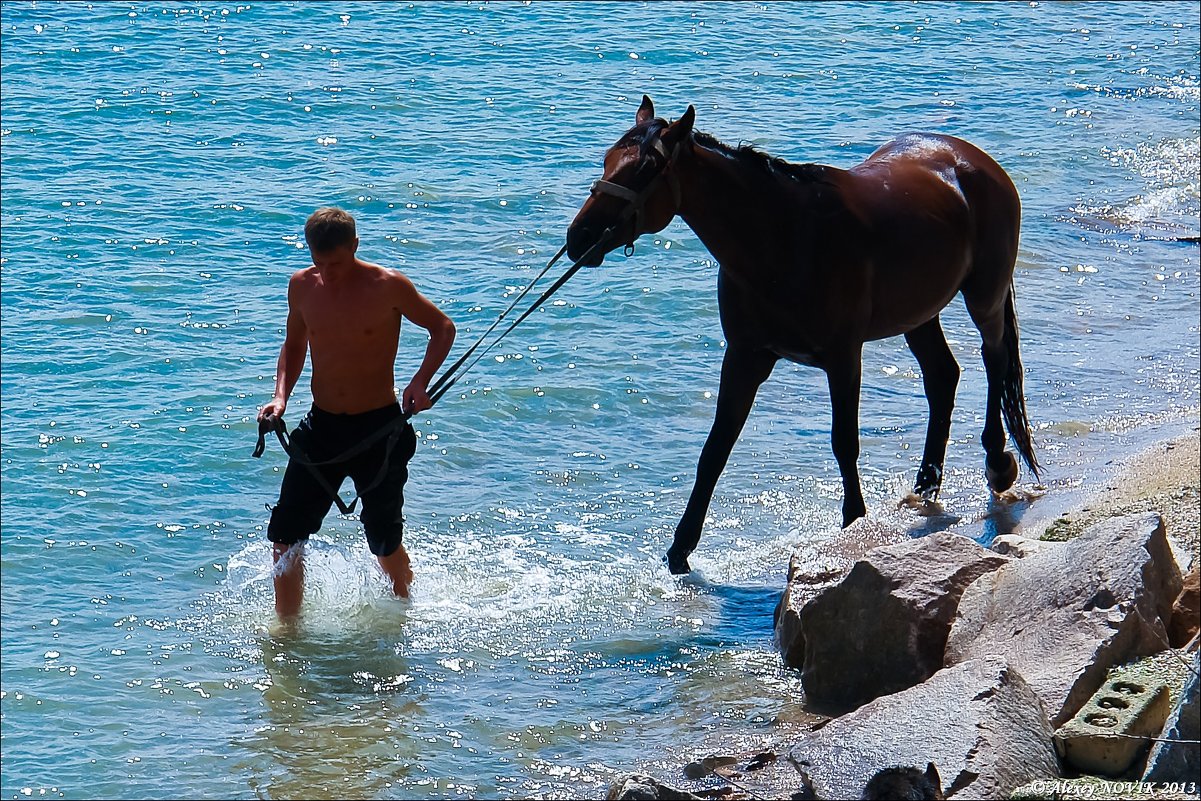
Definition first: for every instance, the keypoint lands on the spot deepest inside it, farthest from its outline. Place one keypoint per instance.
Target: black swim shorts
(322, 436)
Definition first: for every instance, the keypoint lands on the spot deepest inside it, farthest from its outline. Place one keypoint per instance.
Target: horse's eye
(644, 166)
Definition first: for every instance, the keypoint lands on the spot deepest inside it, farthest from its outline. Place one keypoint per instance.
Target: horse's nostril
(579, 239)
(582, 242)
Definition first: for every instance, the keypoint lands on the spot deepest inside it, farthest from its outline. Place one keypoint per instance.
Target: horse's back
(936, 214)
(935, 177)
(935, 148)
(994, 208)
(966, 168)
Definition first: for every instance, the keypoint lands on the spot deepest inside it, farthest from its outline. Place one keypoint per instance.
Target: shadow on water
(1003, 514)
(736, 692)
(929, 524)
(741, 614)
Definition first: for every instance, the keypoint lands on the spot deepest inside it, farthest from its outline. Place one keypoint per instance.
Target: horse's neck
(736, 209)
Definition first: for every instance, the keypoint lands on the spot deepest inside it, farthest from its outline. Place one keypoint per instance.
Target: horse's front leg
(743, 370)
(844, 374)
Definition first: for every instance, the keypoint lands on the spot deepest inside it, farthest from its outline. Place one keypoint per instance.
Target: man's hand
(275, 408)
(415, 399)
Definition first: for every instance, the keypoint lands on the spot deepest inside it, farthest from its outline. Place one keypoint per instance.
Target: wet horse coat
(815, 261)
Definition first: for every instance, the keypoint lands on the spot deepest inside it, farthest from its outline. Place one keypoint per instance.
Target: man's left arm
(417, 308)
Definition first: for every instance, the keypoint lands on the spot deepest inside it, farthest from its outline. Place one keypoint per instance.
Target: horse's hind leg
(940, 375)
(742, 372)
(988, 294)
(1000, 466)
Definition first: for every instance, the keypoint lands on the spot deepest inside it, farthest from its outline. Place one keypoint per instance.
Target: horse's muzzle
(583, 241)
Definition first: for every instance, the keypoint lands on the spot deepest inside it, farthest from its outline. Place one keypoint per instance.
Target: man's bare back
(347, 314)
(353, 325)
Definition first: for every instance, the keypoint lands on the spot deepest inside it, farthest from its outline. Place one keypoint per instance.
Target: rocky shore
(1059, 663)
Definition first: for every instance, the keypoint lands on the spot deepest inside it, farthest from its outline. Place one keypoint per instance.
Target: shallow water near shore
(158, 163)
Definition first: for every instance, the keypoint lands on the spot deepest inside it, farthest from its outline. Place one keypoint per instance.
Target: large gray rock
(636, 787)
(1064, 615)
(1017, 546)
(1177, 756)
(979, 723)
(818, 565)
(884, 627)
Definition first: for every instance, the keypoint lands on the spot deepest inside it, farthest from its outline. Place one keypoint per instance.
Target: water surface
(158, 164)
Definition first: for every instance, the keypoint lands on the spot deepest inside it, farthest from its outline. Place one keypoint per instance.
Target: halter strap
(625, 193)
(638, 199)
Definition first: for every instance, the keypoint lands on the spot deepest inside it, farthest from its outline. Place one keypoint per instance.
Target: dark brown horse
(815, 261)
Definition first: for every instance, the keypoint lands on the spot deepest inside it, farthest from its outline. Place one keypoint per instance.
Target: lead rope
(461, 366)
(442, 384)
(391, 431)
(448, 379)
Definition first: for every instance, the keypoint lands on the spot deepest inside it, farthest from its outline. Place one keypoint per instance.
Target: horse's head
(637, 193)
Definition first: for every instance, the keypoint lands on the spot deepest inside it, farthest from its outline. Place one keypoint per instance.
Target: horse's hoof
(677, 563)
(926, 492)
(852, 510)
(928, 483)
(1001, 480)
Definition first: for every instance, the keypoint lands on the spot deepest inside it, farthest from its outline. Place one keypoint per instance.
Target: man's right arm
(291, 354)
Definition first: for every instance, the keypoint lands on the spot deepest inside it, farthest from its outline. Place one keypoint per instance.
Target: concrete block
(1116, 725)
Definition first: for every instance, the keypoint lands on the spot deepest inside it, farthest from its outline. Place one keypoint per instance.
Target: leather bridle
(637, 199)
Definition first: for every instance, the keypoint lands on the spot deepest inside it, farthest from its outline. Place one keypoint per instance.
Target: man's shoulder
(304, 276)
(303, 280)
(389, 277)
(385, 273)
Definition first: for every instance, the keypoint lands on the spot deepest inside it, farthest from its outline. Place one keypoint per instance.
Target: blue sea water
(158, 163)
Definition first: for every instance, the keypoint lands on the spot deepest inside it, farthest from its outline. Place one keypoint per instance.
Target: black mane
(752, 155)
(647, 132)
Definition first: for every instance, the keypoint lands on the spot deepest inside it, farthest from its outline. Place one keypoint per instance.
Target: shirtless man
(347, 313)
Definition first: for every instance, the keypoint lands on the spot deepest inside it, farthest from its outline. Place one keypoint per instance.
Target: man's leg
(288, 574)
(303, 504)
(383, 508)
(396, 567)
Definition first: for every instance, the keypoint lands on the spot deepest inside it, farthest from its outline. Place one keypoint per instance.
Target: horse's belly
(902, 307)
(799, 356)
(910, 284)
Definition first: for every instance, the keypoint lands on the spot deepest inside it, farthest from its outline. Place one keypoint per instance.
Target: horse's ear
(646, 111)
(678, 131)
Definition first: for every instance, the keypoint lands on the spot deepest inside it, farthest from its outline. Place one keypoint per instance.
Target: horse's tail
(1013, 399)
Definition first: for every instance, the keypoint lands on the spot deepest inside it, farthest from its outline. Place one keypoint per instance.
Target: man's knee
(383, 521)
(287, 559)
(383, 543)
(291, 523)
